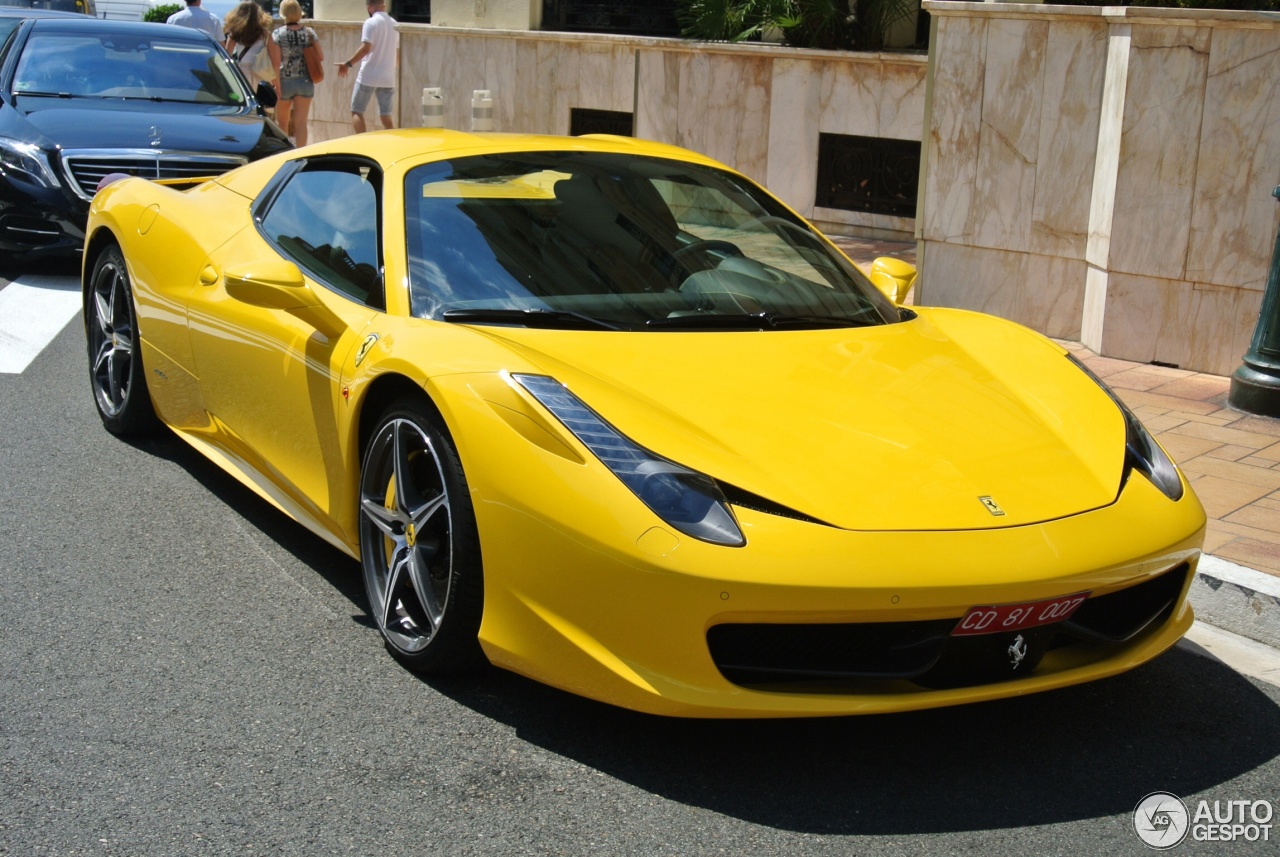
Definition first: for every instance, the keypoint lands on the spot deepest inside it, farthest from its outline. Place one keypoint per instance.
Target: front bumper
(40, 222)
(587, 591)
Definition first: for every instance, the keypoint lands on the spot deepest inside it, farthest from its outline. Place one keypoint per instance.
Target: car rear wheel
(418, 543)
(115, 359)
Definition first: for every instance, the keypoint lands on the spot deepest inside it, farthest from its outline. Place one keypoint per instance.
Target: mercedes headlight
(1142, 453)
(690, 502)
(26, 161)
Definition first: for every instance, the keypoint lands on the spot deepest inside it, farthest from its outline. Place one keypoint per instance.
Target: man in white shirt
(378, 55)
(195, 18)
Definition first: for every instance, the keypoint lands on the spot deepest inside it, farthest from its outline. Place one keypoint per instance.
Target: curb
(1237, 599)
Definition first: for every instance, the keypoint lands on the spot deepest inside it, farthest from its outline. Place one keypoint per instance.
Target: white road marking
(33, 310)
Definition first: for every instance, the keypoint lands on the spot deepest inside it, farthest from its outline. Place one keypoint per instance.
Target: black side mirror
(266, 94)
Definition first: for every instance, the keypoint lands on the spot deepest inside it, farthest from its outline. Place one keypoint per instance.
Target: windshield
(569, 238)
(113, 65)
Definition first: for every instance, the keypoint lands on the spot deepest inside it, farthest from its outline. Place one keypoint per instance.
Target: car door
(283, 305)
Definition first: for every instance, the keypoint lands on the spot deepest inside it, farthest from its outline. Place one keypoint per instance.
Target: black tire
(419, 547)
(115, 355)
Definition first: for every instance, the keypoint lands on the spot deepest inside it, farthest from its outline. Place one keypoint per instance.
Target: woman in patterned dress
(294, 82)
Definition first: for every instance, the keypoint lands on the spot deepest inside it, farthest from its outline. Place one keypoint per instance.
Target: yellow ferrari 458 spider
(605, 413)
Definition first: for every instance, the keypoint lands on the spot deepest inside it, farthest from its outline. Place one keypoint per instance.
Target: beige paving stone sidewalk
(1231, 458)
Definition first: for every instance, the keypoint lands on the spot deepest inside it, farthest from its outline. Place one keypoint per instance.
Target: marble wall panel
(657, 104)
(1009, 140)
(792, 171)
(330, 114)
(1075, 64)
(1197, 326)
(1160, 139)
(527, 113)
(960, 275)
(872, 98)
(1045, 293)
(501, 71)
(1051, 295)
(850, 99)
(955, 125)
(692, 97)
(735, 113)
(901, 101)
(1234, 217)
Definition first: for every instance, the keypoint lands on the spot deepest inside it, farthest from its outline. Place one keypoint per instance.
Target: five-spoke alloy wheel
(418, 542)
(115, 361)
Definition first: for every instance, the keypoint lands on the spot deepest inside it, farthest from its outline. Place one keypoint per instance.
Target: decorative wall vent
(584, 121)
(872, 174)
(411, 11)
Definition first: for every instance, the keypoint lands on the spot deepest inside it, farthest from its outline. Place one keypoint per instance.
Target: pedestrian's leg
(282, 114)
(302, 107)
(357, 122)
(385, 94)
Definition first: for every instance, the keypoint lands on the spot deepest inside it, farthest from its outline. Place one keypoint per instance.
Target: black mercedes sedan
(82, 98)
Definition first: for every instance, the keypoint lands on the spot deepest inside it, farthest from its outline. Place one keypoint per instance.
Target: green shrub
(160, 14)
(827, 24)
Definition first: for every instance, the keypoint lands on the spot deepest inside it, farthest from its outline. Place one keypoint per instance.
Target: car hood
(128, 125)
(902, 426)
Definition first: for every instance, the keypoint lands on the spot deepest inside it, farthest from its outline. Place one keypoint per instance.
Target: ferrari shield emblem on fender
(992, 506)
(364, 347)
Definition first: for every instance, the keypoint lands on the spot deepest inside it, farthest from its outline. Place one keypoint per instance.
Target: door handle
(208, 276)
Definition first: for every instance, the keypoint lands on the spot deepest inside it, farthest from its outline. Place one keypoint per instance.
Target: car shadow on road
(1183, 724)
(328, 563)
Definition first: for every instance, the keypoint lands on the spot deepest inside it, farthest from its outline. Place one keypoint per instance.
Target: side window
(327, 219)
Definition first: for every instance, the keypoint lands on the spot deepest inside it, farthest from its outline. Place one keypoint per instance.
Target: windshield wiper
(755, 321)
(155, 98)
(528, 318)
(46, 94)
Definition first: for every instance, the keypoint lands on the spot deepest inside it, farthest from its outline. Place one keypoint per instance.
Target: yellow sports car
(605, 413)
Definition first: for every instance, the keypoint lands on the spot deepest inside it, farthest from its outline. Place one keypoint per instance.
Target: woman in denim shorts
(294, 83)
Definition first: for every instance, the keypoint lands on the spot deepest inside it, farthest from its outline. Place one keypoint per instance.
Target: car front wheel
(418, 543)
(115, 359)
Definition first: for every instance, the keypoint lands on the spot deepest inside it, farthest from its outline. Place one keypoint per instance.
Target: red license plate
(998, 618)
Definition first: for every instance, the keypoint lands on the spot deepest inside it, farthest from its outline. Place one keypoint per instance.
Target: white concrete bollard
(432, 107)
(481, 110)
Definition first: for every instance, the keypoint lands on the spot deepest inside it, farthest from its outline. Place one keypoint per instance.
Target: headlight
(1142, 453)
(689, 501)
(26, 160)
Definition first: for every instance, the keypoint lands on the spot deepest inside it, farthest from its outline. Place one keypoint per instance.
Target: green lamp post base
(1255, 386)
(1255, 392)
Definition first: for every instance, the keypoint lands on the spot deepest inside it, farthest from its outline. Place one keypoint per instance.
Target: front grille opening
(1120, 616)
(86, 170)
(754, 654)
(853, 657)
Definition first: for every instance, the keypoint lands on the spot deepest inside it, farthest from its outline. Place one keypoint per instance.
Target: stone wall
(758, 108)
(1104, 174)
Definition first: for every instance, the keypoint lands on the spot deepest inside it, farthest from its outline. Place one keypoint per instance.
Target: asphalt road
(184, 671)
